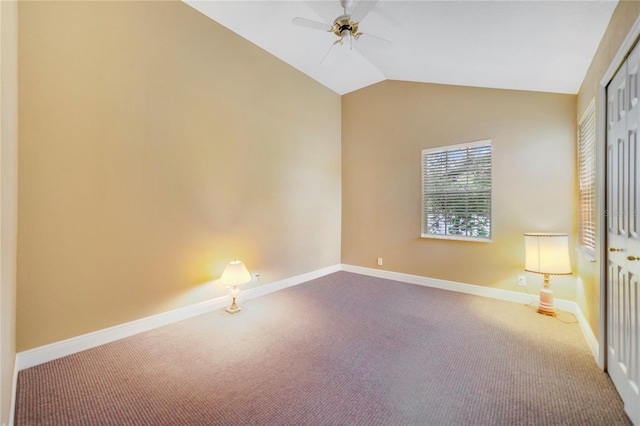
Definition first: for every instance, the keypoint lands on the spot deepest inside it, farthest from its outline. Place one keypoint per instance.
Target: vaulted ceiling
(524, 45)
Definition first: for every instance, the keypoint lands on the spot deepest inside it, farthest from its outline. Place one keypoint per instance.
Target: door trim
(601, 139)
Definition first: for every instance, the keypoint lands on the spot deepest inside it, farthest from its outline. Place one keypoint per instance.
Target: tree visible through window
(456, 191)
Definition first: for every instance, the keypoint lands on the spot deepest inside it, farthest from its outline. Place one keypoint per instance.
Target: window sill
(456, 238)
(586, 254)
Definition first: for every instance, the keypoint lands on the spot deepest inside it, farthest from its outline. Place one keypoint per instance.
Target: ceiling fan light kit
(345, 26)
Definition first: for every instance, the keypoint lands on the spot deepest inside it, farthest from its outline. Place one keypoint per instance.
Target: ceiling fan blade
(369, 36)
(329, 51)
(308, 23)
(362, 9)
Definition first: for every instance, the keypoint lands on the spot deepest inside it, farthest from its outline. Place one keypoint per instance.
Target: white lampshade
(547, 253)
(235, 274)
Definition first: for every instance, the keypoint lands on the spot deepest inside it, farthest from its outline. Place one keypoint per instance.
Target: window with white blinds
(456, 191)
(587, 180)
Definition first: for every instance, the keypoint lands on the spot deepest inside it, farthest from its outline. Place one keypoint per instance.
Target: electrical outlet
(522, 281)
(379, 261)
(256, 278)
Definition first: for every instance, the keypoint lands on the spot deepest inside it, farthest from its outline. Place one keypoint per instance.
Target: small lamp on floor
(547, 254)
(234, 274)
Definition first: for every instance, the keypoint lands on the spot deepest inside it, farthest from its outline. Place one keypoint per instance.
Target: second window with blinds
(456, 192)
(587, 183)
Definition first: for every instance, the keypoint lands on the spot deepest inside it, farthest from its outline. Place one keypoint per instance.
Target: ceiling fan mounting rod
(346, 4)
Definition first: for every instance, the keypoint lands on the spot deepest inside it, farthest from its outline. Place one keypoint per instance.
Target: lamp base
(233, 309)
(546, 302)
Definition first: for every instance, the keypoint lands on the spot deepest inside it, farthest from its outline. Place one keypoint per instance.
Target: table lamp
(235, 274)
(547, 254)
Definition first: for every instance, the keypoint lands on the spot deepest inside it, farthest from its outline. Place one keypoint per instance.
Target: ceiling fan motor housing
(343, 23)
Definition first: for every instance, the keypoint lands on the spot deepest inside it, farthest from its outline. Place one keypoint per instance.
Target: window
(587, 182)
(456, 192)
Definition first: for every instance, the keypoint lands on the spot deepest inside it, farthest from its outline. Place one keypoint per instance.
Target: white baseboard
(494, 293)
(591, 339)
(42, 354)
(288, 282)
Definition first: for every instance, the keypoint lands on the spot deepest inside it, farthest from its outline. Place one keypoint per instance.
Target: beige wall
(621, 21)
(155, 147)
(386, 126)
(8, 199)
(623, 18)
(134, 149)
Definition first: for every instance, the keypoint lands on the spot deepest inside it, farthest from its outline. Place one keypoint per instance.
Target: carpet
(344, 349)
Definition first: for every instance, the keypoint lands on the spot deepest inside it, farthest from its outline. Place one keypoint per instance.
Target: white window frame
(587, 181)
(428, 188)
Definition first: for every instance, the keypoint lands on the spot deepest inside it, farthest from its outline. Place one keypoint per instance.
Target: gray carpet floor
(344, 349)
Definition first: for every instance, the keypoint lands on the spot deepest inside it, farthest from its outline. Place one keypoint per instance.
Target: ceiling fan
(345, 26)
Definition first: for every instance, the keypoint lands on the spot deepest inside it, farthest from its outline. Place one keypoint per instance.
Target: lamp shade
(547, 253)
(234, 274)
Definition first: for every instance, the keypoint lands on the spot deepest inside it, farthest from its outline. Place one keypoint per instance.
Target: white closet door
(623, 234)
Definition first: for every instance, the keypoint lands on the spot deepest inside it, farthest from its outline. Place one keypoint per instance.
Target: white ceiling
(524, 45)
